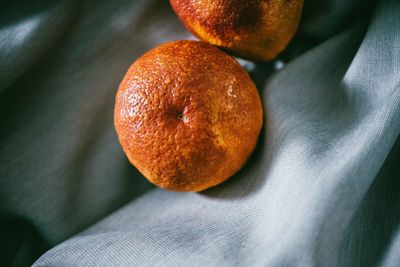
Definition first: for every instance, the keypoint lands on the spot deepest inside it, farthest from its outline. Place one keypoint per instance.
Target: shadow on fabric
(377, 219)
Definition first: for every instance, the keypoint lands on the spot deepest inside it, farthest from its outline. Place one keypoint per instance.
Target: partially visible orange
(253, 29)
(187, 116)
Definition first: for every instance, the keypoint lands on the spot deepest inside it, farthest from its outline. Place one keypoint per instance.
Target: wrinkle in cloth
(321, 188)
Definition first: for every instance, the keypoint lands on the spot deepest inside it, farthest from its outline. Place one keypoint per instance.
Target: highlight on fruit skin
(187, 115)
(253, 29)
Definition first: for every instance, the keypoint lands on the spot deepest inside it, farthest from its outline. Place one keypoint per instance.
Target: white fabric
(320, 189)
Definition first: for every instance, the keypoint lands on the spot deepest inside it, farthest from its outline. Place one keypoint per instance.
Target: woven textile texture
(321, 189)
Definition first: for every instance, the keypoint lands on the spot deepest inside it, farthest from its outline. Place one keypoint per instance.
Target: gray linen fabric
(321, 189)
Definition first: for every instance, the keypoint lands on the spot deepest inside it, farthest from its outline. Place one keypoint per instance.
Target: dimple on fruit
(252, 29)
(187, 116)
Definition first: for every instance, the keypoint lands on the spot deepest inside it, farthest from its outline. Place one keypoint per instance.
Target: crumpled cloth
(321, 189)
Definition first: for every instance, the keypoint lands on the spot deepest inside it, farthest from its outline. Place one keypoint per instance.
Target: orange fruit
(253, 29)
(187, 115)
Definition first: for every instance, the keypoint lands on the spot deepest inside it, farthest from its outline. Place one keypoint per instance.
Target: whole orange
(253, 29)
(187, 115)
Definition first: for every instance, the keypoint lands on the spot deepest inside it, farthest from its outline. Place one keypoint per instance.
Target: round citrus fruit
(254, 29)
(187, 115)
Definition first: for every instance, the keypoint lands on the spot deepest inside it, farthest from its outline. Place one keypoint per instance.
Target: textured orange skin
(253, 29)
(187, 116)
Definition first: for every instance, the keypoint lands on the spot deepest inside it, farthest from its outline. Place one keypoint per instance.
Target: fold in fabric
(327, 151)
